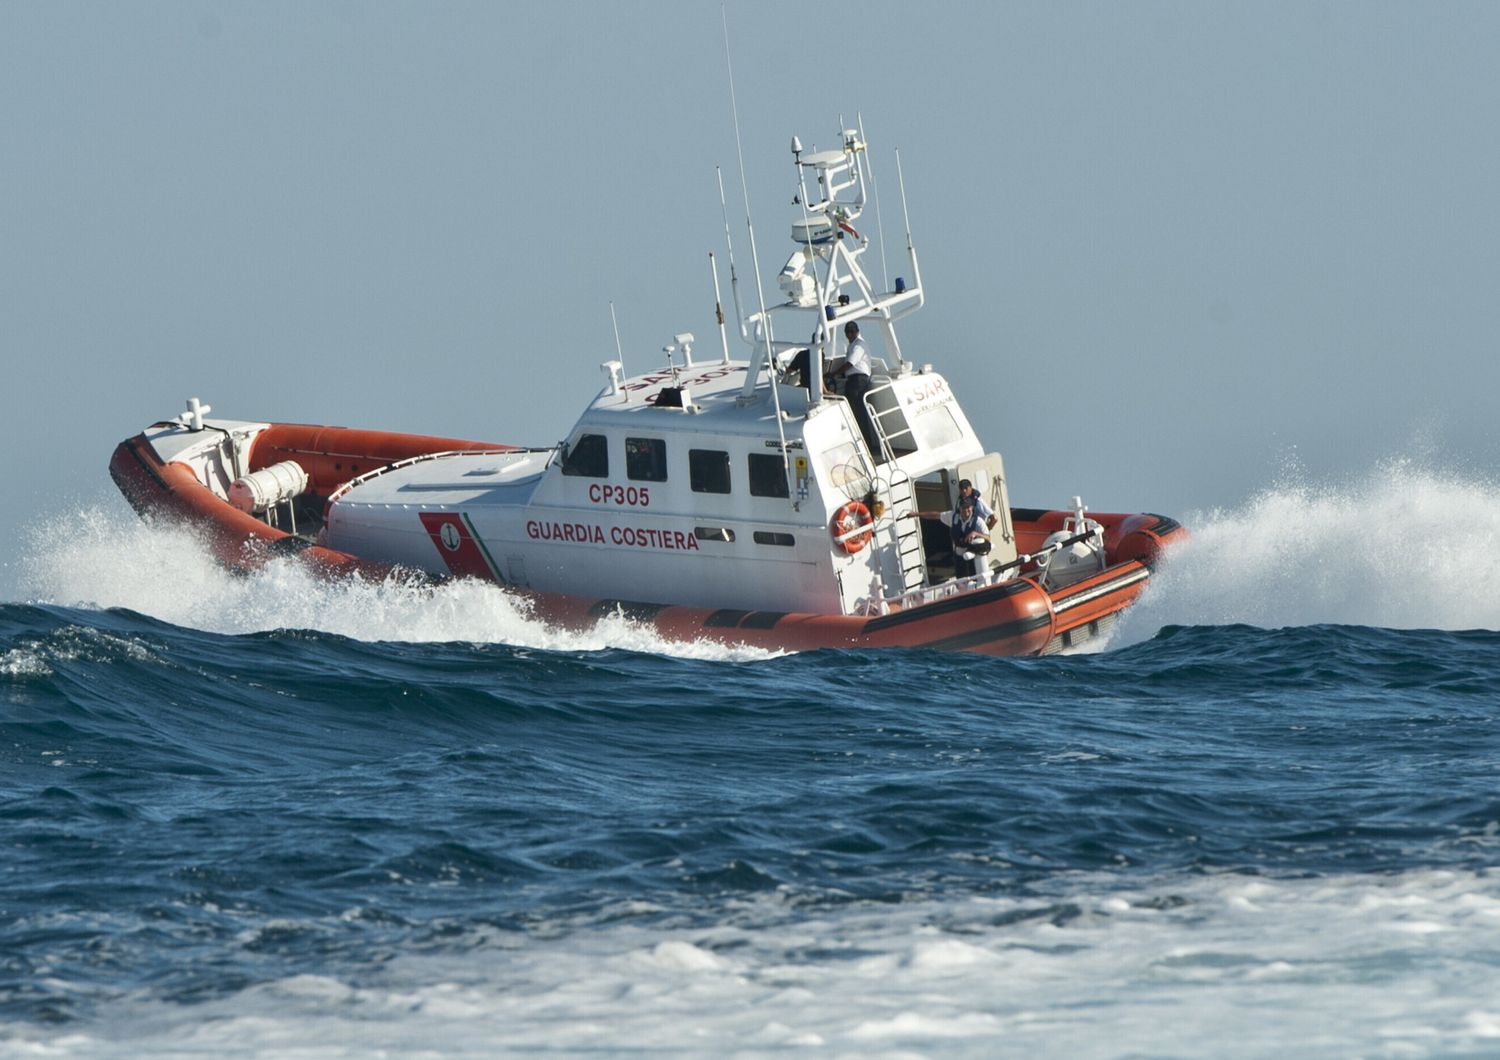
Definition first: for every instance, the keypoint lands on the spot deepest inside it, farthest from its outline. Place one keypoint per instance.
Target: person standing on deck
(967, 531)
(855, 371)
(969, 537)
(966, 489)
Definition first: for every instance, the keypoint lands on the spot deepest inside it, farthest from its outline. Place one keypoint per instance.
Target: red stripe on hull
(460, 551)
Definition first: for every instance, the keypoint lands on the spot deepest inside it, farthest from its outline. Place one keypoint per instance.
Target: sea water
(267, 816)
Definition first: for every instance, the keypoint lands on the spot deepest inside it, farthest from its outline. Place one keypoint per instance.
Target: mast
(824, 279)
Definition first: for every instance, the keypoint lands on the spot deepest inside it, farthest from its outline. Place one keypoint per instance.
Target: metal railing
(1003, 572)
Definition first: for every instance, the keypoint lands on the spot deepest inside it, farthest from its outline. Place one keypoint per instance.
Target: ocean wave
(1090, 967)
(1405, 546)
(219, 842)
(102, 560)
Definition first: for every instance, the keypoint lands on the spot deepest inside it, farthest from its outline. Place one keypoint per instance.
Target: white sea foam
(1403, 547)
(96, 559)
(24, 662)
(1228, 966)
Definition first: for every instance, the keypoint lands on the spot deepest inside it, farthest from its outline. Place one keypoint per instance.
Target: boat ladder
(900, 498)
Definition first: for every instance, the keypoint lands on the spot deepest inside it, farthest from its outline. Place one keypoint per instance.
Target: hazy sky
(1170, 249)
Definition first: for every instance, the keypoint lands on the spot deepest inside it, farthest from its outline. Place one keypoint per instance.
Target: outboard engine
(1080, 557)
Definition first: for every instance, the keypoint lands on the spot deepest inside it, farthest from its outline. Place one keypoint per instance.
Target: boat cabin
(732, 483)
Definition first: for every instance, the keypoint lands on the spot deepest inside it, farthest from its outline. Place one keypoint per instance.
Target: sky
(1174, 253)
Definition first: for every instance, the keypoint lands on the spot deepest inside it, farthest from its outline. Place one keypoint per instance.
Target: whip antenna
(885, 276)
(713, 267)
(619, 350)
(734, 280)
(911, 250)
(765, 319)
(739, 147)
(616, 369)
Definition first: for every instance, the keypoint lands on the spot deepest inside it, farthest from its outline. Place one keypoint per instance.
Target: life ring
(851, 527)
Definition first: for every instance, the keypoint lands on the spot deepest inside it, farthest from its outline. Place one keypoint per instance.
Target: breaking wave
(101, 560)
(1404, 547)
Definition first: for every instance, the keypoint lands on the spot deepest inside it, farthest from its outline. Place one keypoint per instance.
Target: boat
(752, 500)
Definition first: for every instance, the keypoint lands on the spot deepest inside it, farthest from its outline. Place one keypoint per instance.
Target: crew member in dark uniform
(970, 537)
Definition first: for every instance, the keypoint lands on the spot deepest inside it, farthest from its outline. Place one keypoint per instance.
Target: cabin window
(708, 470)
(589, 457)
(937, 427)
(713, 533)
(646, 459)
(771, 537)
(844, 470)
(767, 476)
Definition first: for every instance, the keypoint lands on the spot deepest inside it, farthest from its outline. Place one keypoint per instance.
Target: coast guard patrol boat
(722, 498)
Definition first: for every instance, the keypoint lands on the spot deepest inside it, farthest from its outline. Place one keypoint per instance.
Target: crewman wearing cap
(966, 489)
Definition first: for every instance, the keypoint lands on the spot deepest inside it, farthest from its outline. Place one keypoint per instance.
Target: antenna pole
(734, 281)
(739, 147)
(885, 276)
(713, 267)
(765, 319)
(911, 250)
